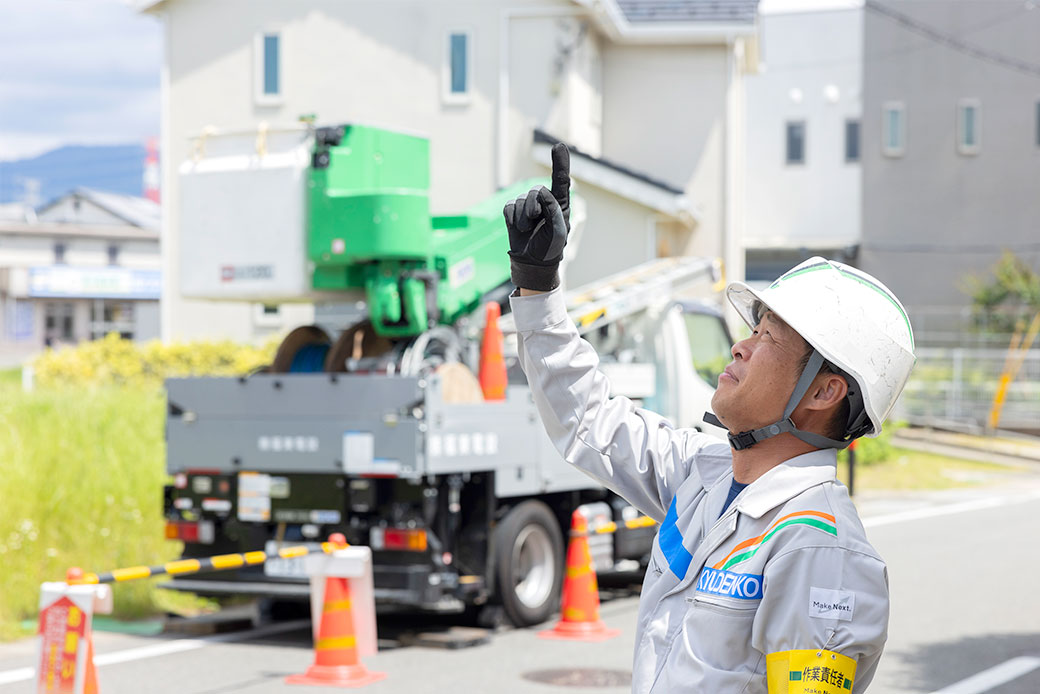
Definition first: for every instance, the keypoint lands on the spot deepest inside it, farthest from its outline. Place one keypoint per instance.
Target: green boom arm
(370, 228)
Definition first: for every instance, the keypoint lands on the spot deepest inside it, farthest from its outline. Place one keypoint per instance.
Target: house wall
(933, 216)
(664, 111)
(616, 236)
(812, 72)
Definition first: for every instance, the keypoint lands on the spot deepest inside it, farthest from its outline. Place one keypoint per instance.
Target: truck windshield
(709, 345)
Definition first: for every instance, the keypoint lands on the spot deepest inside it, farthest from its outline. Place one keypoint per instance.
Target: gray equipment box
(360, 425)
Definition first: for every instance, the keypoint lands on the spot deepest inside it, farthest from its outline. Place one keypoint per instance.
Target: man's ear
(827, 391)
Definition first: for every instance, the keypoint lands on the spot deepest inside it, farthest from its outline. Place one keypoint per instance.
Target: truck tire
(529, 563)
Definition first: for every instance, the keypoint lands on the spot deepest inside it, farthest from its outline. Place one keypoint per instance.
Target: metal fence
(955, 386)
(944, 326)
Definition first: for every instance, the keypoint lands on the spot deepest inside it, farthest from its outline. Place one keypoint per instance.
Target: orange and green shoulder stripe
(746, 549)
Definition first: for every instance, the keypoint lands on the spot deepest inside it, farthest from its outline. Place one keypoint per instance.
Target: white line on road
(168, 647)
(19, 675)
(988, 680)
(948, 509)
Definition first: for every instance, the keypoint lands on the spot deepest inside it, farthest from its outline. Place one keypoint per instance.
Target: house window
(113, 254)
(267, 315)
(796, 142)
(59, 254)
(851, 141)
(58, 323)
(968, 126)
(458, 67)
(893, 129)
(268, 72)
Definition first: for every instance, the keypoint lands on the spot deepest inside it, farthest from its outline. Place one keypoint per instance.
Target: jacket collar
(787, 480)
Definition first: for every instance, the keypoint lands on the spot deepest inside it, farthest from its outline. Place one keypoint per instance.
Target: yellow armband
(809, 672)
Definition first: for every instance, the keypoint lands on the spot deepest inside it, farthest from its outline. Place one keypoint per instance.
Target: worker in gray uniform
(761, 578)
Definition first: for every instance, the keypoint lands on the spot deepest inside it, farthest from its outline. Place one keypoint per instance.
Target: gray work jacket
(786, 568)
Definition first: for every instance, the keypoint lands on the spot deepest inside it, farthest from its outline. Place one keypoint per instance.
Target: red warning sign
(62, 627)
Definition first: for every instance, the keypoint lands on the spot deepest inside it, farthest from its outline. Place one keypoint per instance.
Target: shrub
(870, 451)
(113, 361)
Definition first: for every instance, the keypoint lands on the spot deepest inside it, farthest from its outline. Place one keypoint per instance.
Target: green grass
(81, 485)
(11, 377)
(907, 470)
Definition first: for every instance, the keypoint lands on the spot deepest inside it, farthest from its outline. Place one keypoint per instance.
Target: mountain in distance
(111, 168)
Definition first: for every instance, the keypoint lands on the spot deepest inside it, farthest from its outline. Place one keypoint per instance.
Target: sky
(76, 72)
(87, 72)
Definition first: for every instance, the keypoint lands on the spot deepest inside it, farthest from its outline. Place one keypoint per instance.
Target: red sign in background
(62, 627)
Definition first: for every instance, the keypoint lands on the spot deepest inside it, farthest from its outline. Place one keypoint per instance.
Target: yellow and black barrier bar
(221, 562)
(612, 527)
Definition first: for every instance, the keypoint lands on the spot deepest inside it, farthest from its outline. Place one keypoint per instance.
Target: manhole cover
(581, 677)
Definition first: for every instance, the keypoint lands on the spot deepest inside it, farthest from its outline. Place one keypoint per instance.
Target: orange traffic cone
(74, 576)
(492, 363)
(336, 662)
(580, 620)
(90, 683)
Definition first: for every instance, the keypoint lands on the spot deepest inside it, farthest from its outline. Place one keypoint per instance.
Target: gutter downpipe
(508, 14)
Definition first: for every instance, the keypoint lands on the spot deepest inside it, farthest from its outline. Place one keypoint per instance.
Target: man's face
(754, 388)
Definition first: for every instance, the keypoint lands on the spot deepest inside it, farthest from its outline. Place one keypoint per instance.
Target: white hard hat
(851, 319)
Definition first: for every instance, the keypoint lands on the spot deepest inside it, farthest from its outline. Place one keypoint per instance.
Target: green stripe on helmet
(862, 280)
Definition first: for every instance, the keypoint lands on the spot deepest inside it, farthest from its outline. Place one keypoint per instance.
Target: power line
(887, 55)
(952, 42)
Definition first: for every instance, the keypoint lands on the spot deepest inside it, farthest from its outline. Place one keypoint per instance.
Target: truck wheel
(529, 563)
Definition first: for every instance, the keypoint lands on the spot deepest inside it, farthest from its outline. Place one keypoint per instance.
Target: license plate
(279, 567)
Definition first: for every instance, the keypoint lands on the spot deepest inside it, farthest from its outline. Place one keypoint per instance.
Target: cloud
(76, 72)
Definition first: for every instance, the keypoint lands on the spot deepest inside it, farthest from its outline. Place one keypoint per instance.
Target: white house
(650, 94)
(78, 268)
(803, 183)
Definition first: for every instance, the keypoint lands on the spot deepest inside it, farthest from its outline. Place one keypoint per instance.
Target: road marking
(988, 680)
(948, 509)
(19, 675)
(167, 648)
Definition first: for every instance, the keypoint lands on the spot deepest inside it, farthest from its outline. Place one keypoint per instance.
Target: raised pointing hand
(538, 224)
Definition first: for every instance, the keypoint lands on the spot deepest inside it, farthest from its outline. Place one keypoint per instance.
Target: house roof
(135, 211)
(17, 212)
(681, 22)
(92, 231)
(544, 137)
(714, 11)
(621, 180)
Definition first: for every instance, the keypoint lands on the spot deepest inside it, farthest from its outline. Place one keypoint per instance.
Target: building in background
(78, 268)
(650, 93)
(803, 141)
(951, 147)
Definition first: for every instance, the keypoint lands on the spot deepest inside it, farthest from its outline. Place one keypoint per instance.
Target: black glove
(538, 224)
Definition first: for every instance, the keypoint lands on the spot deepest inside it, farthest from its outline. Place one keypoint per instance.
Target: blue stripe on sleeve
(671, 542)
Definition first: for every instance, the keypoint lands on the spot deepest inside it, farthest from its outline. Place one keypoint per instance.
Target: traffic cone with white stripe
(580, 620)
(336, 662)
(493, 377)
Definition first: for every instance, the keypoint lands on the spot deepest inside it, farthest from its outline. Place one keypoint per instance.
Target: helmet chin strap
(747, 439)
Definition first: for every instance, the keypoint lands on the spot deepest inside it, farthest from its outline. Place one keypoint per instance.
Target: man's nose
(741, 349)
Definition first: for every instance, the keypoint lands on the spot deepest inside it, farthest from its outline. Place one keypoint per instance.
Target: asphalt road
(964, 575)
